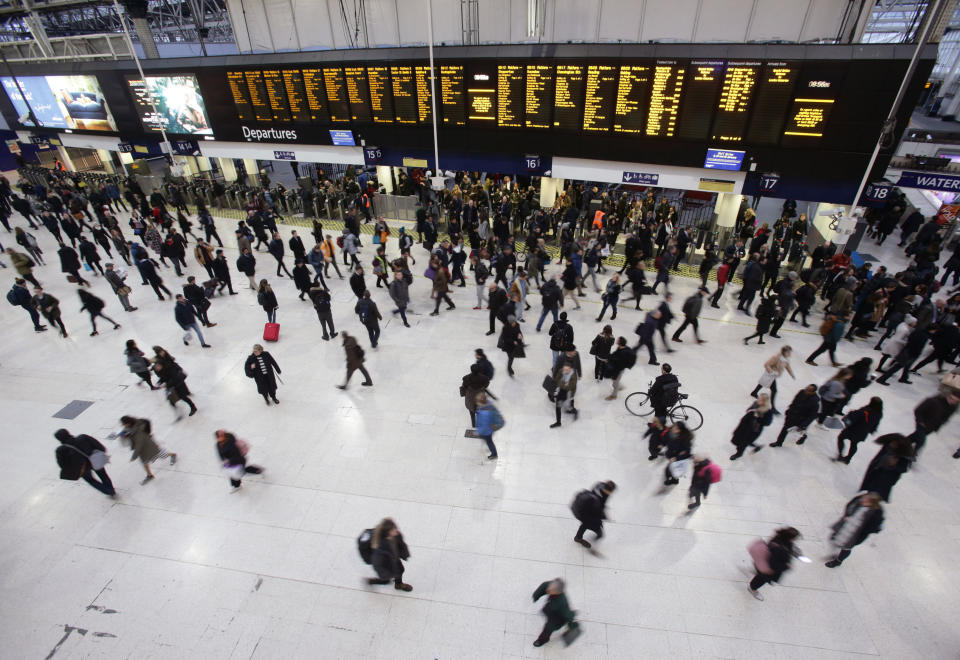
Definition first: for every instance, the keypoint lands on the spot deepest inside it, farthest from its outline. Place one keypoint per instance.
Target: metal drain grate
(73, 409)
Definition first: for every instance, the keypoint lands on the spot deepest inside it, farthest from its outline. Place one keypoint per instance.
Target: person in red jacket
(840, 261)
(722, 273)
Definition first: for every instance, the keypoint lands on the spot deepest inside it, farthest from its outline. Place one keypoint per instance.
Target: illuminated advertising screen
(73, 102)
(173, 103)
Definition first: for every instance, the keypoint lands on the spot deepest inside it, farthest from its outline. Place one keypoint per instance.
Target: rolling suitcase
(271, 332)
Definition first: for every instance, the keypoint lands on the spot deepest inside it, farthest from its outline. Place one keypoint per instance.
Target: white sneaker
(756, 594)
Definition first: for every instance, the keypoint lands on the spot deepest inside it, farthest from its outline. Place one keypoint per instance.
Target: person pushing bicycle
(664, 392)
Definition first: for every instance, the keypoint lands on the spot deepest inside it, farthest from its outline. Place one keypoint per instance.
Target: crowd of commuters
(500, 242)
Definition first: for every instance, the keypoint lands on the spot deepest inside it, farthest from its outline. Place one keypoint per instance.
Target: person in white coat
(898, 340)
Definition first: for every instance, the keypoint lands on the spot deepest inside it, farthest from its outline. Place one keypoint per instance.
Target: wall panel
(669, 20)
(723, 20)
(778, 20)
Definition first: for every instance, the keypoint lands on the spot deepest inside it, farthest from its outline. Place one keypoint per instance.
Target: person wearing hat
(691, 312)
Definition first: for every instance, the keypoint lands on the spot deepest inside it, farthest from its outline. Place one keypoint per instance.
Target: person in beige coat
(772, 370)
(136, 433)
(566, 390)
(441, 290)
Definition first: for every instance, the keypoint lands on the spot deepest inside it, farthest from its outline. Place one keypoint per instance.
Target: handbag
(124, 291)
(679, 468)
(766, 379)
(569, 636)
(98, 459)
(548, 383)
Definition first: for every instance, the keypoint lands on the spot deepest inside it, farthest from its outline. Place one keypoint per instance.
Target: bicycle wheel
(638, 404)
(688, 415)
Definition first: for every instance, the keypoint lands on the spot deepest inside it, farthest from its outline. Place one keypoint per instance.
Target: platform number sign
(372, 155)
(768, 183)
(877, 192)
(531, 163)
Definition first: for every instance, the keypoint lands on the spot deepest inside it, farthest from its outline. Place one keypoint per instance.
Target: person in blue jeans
(187, 320)
(611, 297)
(489, 420)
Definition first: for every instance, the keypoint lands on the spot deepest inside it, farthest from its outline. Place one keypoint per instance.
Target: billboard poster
(180, 107)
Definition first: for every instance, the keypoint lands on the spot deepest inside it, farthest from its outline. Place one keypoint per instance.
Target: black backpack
(582, 503)
(629, 359)
(365, 547)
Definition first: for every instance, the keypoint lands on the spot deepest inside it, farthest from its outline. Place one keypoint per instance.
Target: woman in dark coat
(766, 312)
(138, 364)
(751, 425)
(679, 447)
(261, 366)
(891, 461)
(857, 426)
(780, 553)
(173, 378)
(94, 307)
(268, 300)
(473, 384)
(861, 369)
(511, 342)
(302, 278)
(70, 264)
(600, 350)
(389, 551)
(233, 454)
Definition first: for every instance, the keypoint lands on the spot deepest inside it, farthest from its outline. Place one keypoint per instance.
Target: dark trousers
(599, 368)
(56, 321)
(373, 331)
(282, 265)
(825, 346)
(202, 315)
(607, 302)
(79, 278)
(934, 355)
(402, 311)
(759, 580)
(802, 311)
(93, 320)
(30, 278)
(326, 319)
(226, 283)
(104, 485)
(488, 439)
(827, 408)
(362, 370)
(158, 287)
(596, 529)
(649, 344)
(683, 326)
(211, 231)
(717, 294)
(247, 469)
(853, 445)
(319, 278)
(493, 320)
(550, 627)
(332, 262)
(33, 316)
(443, 296)
(773, 393)
(783, 433)
(896, 365)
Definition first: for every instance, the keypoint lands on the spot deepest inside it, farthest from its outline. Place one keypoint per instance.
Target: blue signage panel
(724, 159)
(284, 155)
(342, 138)
(531, 163)
(929, 181)
(642, 178)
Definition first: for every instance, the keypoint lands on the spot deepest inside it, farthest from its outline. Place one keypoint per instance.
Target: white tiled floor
(182, 568)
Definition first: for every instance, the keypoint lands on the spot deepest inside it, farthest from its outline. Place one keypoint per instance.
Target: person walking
(832, 331)
(233, 456)
(355, 360)
(400, 294)
(94, 306)
(23, 265)
(931, 414)
(195, 295)
(859, 424)
(263, 369)
(275, 248)
(184, 314)
(221, 271)
(321, 303)
(678, 452)
(172, 376)
(49, 307)
(370, 317)
(357, 283)
(611, 296)
(148, 271)
(480, 274)
(511, 342)
(496, 300)
(600, 349)
(330, 254)
(705, 474)
(471, 385)
(557, 610)
(571, 283)
(267, 299)
(692, 307)
(137, 435)
(19, 296)
(138, 363)
(88, 251)
(862, 516)
(118, 283)
(203, 253)
(441, 290)
(723, 275)
(70, 264)
(620, 360)
(832, 394)
(758, 416)
(890, 463)
(30, 244)
(301, 277)
(772, 370)
(79, 457)
(318, 261)
(771, 559)
(389, 553)
(908, 355)
(800, 414)
(589, 508)
(247, 264)
(565, 389)
(489, 420)
(766, 311)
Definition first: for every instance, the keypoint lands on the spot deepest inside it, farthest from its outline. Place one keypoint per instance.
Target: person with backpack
(691, 313)
(589, 507)
(137, 434)
(384, 548)
(558, 612)
(705, 474)
(320, 297)
(561, 337)
(19, 296)
(355, 359)
(80, 456)
(771, 559)
(620, 360)
(551, 297)
(751, 425)
(664, 392)
(488, 418)
(611, 296)
(862, 516)
(800, 414)
(832, 331)
(600, 349)
(859, 424)
(246, 264)
(370, 317)
(233, 455)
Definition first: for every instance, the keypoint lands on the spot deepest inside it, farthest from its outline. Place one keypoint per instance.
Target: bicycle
(638, 403)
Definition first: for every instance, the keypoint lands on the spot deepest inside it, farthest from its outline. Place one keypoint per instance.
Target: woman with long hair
(771, 559)
(268, 300)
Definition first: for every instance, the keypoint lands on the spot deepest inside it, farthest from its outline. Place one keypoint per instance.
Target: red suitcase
(271, 332)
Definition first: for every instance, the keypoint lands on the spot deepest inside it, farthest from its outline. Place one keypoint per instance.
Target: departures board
(725, 102)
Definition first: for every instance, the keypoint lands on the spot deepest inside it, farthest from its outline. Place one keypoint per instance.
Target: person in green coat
(136, 433)
(557, 610)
